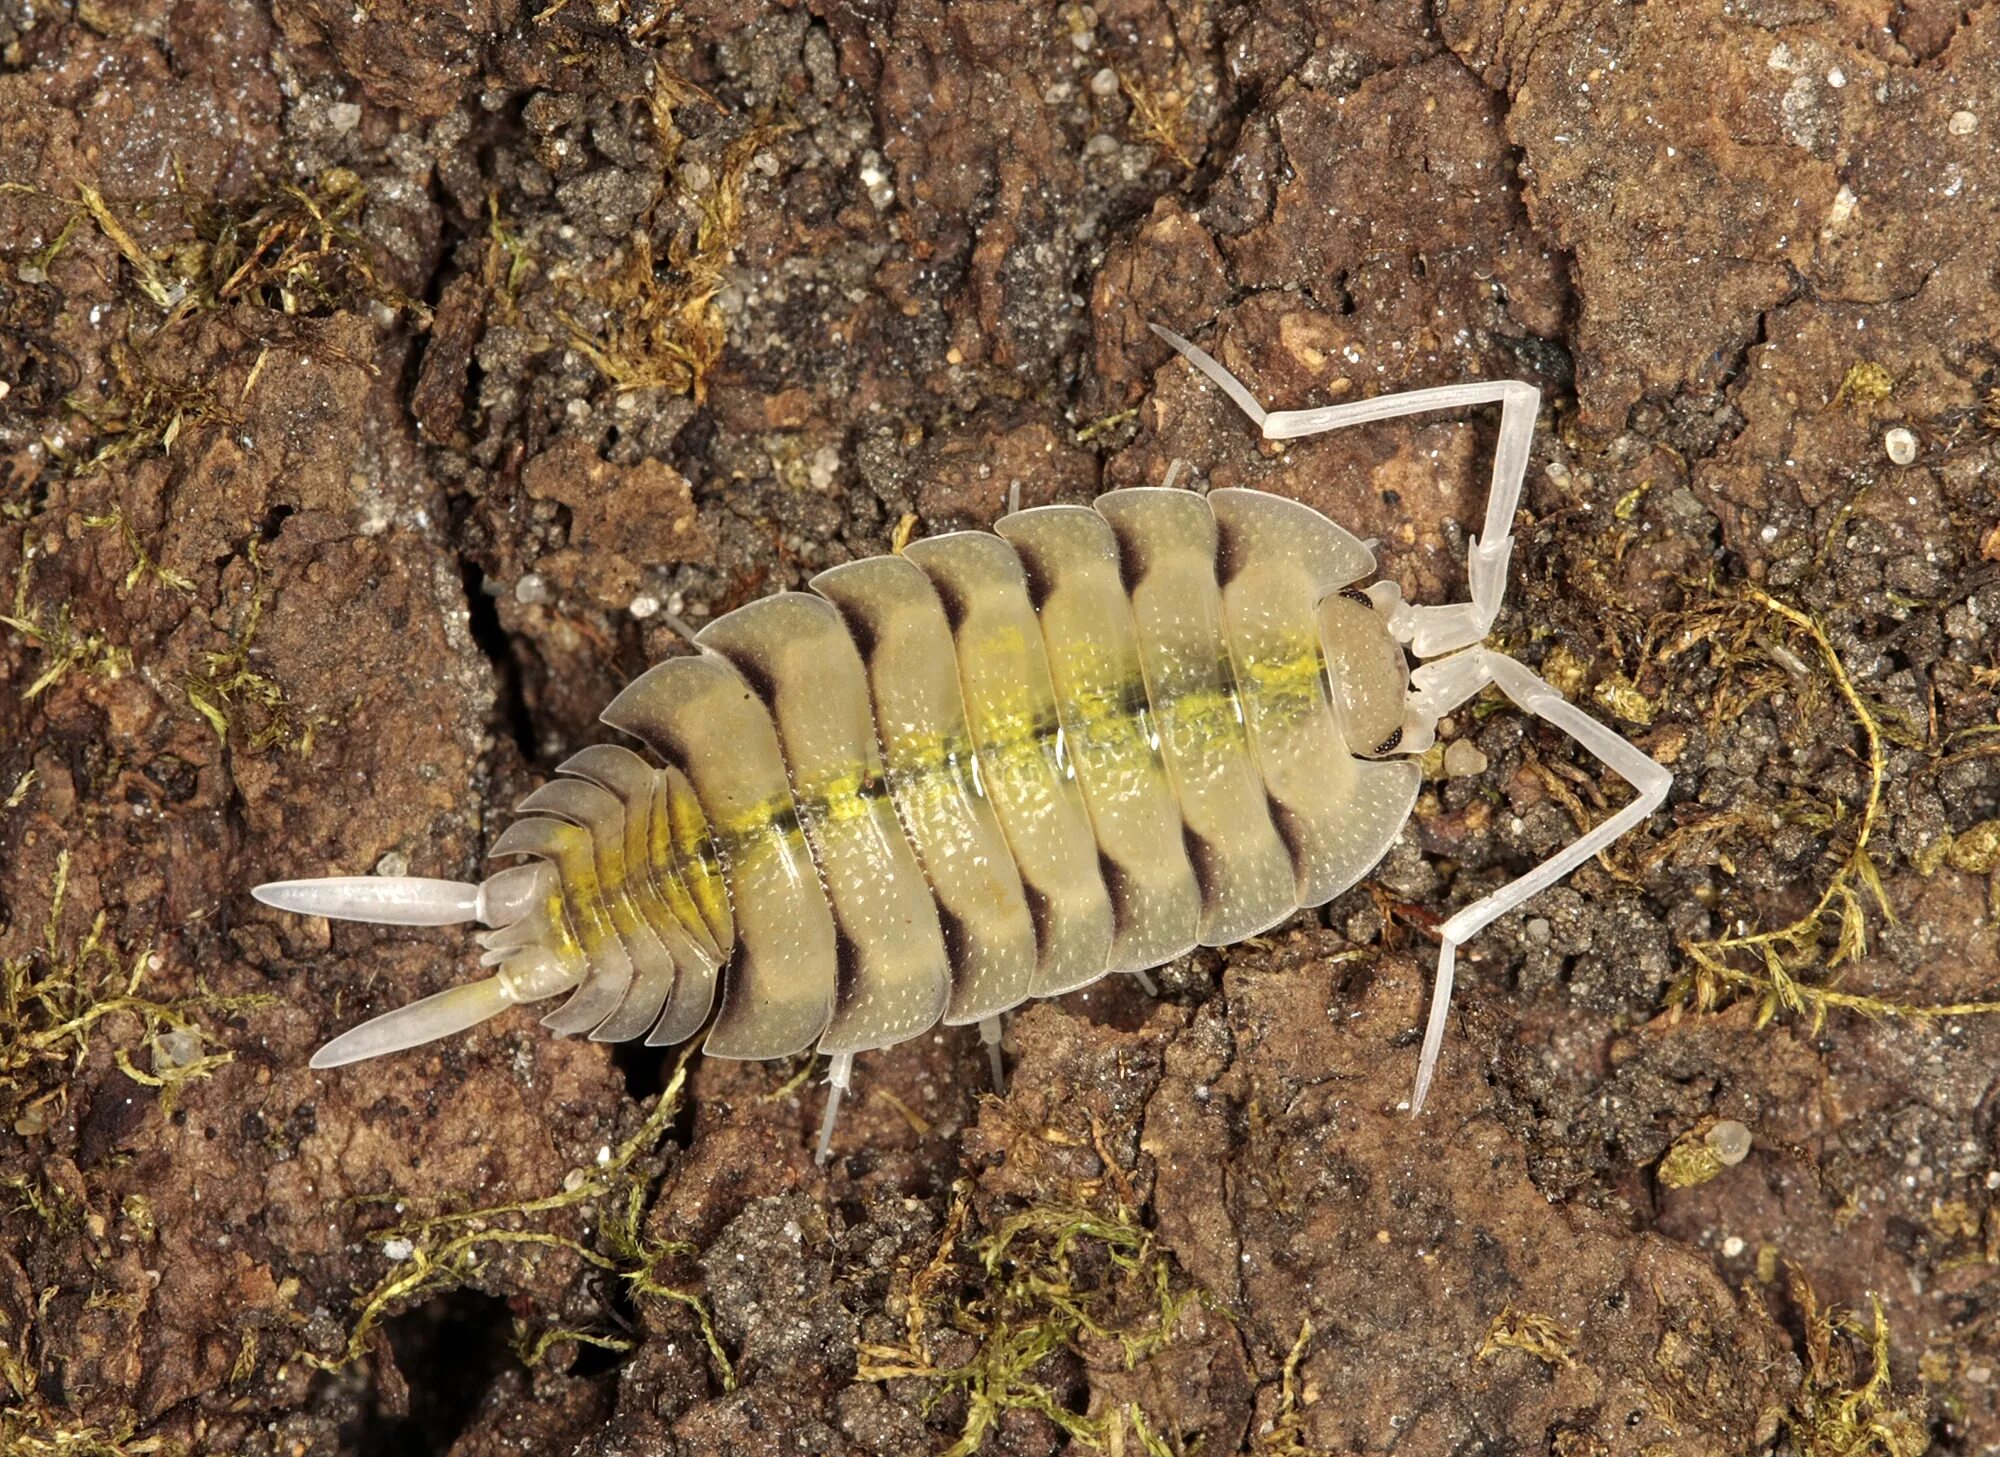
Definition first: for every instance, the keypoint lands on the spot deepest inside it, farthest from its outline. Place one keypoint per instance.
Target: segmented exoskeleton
(994, 767)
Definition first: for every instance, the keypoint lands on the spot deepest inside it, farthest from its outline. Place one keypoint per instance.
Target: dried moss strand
(1776, 981)
(434, 1265)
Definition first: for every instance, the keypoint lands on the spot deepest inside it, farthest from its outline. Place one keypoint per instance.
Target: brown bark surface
(384, 383)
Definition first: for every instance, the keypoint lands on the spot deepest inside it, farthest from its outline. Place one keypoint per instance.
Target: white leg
(1428, 630)
(839, 1077)
(1442, 686)
(989, 1033)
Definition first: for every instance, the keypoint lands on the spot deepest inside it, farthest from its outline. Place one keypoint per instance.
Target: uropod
(1000, 765)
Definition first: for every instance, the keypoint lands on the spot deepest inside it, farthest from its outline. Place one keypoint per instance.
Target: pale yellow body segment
(569, 848)
(680, 847)
(895, 975)
(1167, 540)
(900, 628)
(1108, 730)
(1010, 706)
(1338, 814)
(619, 879)
(699, 715)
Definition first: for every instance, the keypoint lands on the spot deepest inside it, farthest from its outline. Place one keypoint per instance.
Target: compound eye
(1389, 745)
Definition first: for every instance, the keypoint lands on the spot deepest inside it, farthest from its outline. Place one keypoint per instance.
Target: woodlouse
(998, 766)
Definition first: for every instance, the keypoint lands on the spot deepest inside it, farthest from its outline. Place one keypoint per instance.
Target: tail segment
(620, 901)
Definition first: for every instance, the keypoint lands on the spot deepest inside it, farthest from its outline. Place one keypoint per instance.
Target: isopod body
(996, 766)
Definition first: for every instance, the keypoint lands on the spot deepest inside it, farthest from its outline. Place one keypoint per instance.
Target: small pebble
(344, 116)
(1962, 124)
(176, 1049)
(1463, 760)
(1732, 1247)
(1104, 83)
(643, 606)
(1729, 1141)
(875, 176)
(1901, 445)
(393, 863)
(824, 468)
(531, 589)
(398, 1249)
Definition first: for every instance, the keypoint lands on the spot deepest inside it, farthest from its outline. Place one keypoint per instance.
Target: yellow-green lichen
(1703, 1152)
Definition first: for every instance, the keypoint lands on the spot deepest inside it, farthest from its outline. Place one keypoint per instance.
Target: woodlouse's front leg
(1450, 635)
(1442, 685)
(1429, 631)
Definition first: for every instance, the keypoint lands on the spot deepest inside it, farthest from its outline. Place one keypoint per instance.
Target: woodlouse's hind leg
(989, 1034)
(1443, 685)
(839, 1077)
(1429, 631)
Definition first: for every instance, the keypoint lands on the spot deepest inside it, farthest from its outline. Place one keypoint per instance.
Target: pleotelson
(993, 768)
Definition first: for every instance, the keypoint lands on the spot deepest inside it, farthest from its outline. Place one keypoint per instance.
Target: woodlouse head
(1368, 674)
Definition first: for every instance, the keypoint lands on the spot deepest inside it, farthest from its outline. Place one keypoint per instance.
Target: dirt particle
(1463, 760)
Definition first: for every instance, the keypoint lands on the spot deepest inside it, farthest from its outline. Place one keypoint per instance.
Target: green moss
(143, 565)
(446, 1251)
(227, 685)
(1286, 1435)
(1050, 1279)
(1540, 1336)
(145, 414)
(655, 324)
(64, 645)
(1773, 966)
(1838, 1411)
(56, 998)
(295, 251)
(35, 1430)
